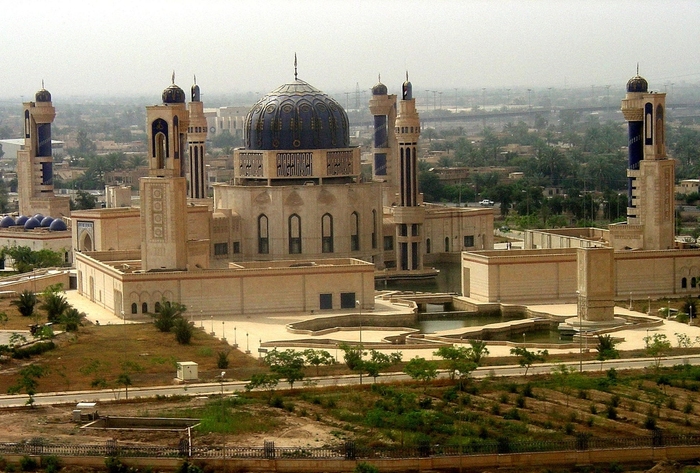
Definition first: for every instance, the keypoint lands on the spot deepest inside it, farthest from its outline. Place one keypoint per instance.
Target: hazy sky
(127, 47)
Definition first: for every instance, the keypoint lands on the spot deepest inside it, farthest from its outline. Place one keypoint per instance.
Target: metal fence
(349, 450)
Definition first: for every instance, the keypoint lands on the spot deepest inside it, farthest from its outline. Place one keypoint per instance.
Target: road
(232, 387)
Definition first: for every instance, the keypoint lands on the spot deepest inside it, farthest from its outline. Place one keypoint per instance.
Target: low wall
(35, 282)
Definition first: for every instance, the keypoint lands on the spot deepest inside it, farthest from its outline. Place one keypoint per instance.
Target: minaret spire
(195, 79)
(173, 77)
(637, 68)
(295, 66)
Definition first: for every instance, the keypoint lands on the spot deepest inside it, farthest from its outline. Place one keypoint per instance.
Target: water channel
(436, 319)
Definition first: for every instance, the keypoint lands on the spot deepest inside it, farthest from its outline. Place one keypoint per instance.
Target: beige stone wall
(551, 275)
(246, 290)
(116, 229)
(38, 240)
(310, 203)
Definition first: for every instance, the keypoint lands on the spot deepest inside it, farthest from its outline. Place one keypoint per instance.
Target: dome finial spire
(637, 68)
(295, 66)
(406, 75)
(173, 77)
(42, 84)
(379, 77)
(195, 79)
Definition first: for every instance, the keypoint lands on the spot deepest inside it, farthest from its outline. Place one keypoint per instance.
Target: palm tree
(167, 314)
(26, 302)
(55, 305)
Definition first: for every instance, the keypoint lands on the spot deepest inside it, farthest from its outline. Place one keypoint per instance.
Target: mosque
(297, 222)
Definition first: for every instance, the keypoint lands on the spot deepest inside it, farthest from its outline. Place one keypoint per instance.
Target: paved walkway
(249, 331)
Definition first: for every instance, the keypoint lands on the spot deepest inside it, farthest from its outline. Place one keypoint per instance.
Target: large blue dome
(297, 116)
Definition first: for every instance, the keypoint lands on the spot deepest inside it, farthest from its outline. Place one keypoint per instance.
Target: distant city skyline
(131, 48)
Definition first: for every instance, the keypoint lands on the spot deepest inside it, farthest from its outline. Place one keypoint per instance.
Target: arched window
(327, 233)
(157, 307)
(427, 246)
(294, 234)
(447, 244)
(684, 283)
(693, 283)
(160, 151)
(144, 308)
(134, 308)
(263, 236)
(659, 129)
(374, 229)
(354, 232)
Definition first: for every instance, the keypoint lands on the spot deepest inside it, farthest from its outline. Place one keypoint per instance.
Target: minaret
(650, 173)
(35, 161)
(408, 215)
(164, 192)
(384, 168)
(196, 138)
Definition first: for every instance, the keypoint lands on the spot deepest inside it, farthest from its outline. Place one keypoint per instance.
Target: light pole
(359, 305)
(212, 325)
(580, 331)
(201, 319)
(235, 342)
(630, 300)
(223, 332)
(247, 346)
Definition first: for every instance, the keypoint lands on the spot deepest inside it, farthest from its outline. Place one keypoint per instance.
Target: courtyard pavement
(250, 331)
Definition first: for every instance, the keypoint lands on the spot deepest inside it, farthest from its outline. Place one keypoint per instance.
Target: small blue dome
(39, 217)
(173, 94)
(31, 224)
(7, 221)
(43, 96)
(379, 89)
(21, 220)
(58, 225)
(637, 84)
(46, 221)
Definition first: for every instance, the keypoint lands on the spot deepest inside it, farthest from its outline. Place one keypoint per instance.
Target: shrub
(512, 414)
(27, 463)
(527, 390)
(51, 464)
(688, 408)
(611, 413)
(615, 401)
(363, 467)
(495, 409)
(503, 398)
(569, 428)
(582, 394)
(671, 404)
(650, 423)
(520, 401)
(222, 359)
(593, 409)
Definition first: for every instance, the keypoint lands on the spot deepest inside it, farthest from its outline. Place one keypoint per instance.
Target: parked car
(486, 203)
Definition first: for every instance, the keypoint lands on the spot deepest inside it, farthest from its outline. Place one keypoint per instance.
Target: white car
(486, 203)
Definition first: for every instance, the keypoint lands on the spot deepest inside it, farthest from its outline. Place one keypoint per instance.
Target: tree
(457, 359)
(125, 379)
(183, 330)
(25, 260)
(421, 369)
(263, 381)
(526, 357)
(606, 348)
(318, 357)
(25, 303)
(28, 382)
(477, 350)
(657, 347)
(287, 364)
(166, 315)
(72, 319)
(83, 201)
(352, 355)
(55, 305)
(379, 361)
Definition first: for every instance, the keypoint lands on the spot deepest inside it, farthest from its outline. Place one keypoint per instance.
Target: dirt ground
(53, 424)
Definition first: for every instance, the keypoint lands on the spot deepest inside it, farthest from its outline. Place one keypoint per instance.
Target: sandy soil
(54, 424)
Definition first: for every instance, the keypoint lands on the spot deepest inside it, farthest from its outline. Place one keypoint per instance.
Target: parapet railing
(348, 450)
